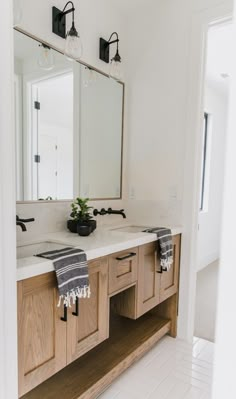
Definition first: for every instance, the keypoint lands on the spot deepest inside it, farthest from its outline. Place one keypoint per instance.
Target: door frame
(192, 164)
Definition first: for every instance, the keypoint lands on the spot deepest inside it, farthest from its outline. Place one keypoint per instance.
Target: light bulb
(73, 46)
(17, 12)
(115, 70)
(115, 67)
(90, 77)
(45, 59)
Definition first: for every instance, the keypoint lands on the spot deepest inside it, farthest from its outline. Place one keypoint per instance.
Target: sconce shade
(73, 46)
(45, 57)
(115, 68)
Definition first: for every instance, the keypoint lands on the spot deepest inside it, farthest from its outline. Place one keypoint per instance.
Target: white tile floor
(173, 369)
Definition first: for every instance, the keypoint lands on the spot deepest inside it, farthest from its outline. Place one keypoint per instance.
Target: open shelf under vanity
(88, 376)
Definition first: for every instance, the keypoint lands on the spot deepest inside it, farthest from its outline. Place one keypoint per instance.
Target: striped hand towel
(71, 269)
(165, 247)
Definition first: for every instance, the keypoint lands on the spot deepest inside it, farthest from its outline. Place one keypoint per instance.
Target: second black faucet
(109, 211)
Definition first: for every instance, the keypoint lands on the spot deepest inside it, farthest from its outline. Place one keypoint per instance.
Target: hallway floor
(173, 369)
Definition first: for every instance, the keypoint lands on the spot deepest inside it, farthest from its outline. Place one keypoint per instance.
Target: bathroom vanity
(77, 353)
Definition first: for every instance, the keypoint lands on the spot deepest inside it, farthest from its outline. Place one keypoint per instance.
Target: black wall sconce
(104, 55)
(73, 45)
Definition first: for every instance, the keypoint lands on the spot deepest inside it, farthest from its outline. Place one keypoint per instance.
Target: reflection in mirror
(101, 127)
(68, 126)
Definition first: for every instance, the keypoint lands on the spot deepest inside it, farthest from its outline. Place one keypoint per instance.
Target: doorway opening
(51, 112)
(214, 127)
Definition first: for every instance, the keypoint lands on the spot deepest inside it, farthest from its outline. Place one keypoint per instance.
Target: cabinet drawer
(122, 269)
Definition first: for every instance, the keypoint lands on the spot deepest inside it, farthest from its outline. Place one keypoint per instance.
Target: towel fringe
(72, 295)
(166, 263)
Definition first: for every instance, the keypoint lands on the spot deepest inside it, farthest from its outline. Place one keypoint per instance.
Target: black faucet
(21, 222)
(110, 211)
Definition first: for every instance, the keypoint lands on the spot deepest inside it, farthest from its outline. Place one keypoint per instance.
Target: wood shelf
(88, 376)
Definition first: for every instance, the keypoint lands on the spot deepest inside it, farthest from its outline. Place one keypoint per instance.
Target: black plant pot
(84, 230)
(72, 225)
(92, 223)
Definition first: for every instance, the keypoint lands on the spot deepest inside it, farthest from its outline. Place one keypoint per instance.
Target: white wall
(158, 90)
(216, 104)
(164, 70)
(8, 328)
(51, 217)
(224, 372)
(206, 302)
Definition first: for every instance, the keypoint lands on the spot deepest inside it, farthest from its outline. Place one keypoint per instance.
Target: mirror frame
(18, 29)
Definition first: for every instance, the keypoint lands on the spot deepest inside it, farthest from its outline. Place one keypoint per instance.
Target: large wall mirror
(68, 126)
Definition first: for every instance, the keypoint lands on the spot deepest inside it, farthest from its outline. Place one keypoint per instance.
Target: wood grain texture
(148, 293)
(122, 272)
(124, 303)
(168, 310)
(41, 333)
(46, 344)
(87, 377)
(170, 280)
(91, 326)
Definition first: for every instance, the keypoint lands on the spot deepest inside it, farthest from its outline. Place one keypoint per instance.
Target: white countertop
(103, 241)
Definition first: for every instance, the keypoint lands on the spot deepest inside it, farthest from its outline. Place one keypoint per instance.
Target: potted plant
(81, 221)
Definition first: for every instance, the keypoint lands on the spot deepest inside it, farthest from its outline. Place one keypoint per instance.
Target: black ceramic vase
(84, 229)
(72, 225)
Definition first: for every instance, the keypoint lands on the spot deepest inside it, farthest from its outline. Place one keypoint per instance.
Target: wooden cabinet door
(148, 293)
(90, 327)
(41, 332)
(122, 269)
(170, 280)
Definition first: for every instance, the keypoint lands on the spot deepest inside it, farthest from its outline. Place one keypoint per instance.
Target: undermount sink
(131, 229)
(25, 251)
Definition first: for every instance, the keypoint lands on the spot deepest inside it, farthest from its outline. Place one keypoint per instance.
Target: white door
(47, 167)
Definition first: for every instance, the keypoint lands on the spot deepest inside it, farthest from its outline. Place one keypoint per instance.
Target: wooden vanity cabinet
(126, 283)
(46, 344)
(90, 327)
(123, 269)
(170, 280)
(41, 333)
(153, 287)
(148, 289)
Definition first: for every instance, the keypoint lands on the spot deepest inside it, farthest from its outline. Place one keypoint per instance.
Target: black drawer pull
(131, 255)
(76, 313)
(64, 318)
